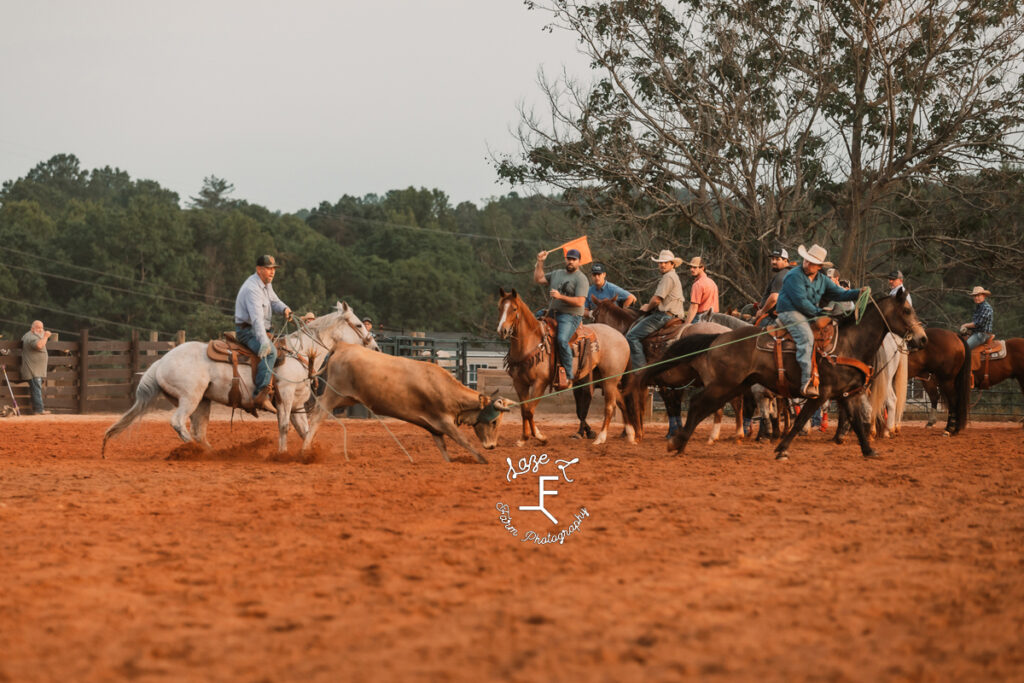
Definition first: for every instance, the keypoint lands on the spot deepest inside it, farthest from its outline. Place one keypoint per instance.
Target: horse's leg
(673, 400)
(802, 418)
(187, 404)
(284, 413)
(716, 429)
(703, 403)
(932, 391)
(583, 397)
(612, 398)
(859, 428)
(198, 422)
(737, 407)
(948, 388)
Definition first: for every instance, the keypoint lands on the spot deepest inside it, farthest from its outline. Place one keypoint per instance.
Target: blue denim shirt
(799, 293)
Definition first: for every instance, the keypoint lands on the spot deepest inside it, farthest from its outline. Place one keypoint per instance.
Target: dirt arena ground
(720, 565)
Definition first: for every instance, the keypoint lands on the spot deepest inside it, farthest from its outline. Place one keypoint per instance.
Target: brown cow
(412, 390)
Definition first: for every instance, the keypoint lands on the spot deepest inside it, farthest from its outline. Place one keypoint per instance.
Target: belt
(243, 325)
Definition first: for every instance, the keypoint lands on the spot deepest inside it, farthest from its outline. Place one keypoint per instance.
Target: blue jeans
(796, 323)
(567, 324)
(977, 339)
(640, 329)
(35, 388)
(266, 366)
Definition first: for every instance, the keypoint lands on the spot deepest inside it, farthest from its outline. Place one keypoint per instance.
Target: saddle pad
(993, 351)
(825, 339)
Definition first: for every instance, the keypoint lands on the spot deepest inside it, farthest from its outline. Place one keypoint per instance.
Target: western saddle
(778, 341)
(229, 350)
(583, 345)
(990, 349)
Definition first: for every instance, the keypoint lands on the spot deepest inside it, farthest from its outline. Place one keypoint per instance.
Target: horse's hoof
(871, 454)
(520, 443)
(590, 434)
(783, 455)
(577, 435)
(945, 432)
(600, 440)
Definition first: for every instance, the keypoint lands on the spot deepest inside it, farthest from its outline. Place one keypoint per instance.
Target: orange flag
(580, 243)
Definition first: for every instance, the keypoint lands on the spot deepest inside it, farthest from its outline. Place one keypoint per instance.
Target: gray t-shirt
(567, 284)
(33, 360)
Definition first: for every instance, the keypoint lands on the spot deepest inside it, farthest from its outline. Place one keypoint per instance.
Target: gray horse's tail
(145, 396)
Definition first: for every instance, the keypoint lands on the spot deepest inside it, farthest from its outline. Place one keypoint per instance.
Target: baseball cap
(779, 252)
(266, 261)
(896, 275)
(597, 268)
(573, 253)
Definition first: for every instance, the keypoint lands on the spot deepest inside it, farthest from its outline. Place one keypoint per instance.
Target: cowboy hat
(697, 262)
(816, 254)
(666, 256)
(980, 290)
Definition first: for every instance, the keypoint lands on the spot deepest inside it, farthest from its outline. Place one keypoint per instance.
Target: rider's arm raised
(538, 271)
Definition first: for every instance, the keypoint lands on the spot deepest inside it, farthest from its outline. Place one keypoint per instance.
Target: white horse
(889, 390)
(190, 380)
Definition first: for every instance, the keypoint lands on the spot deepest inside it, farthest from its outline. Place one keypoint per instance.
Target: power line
(111, 287)
(84, 317)
(107, 274)
(22, 323)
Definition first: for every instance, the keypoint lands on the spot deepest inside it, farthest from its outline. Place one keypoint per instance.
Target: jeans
(640, 329)
(567, 324)
(976, 340)
(266, 366)
(35, 387)
(796, 323)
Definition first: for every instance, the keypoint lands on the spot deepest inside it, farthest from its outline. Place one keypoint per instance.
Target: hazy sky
(294, 103)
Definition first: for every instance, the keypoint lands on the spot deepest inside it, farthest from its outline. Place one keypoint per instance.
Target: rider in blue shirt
(602, 289)
(802, 290)
(254, 305)
(980, 326)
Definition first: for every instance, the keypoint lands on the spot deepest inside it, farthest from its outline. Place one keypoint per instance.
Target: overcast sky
(294, 103)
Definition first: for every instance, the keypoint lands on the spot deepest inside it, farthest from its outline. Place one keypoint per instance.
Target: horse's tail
(900, 387)
(681, 351)
(962, 388)
(145, 396)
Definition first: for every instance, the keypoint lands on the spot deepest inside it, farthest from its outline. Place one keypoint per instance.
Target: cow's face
(487, 430)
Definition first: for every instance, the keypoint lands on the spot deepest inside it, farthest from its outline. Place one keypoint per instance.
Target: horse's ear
(513, 292)
(901, 295)
(343, 307)
(501, 291)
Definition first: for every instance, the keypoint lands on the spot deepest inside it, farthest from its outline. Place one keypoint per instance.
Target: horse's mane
(627, 315)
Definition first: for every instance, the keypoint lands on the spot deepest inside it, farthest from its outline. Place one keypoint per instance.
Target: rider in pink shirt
(703, 294)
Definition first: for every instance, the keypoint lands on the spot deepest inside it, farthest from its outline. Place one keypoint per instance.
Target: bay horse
(609, 312)
(942, 359)
(729, 363)
(1000, 369)
(188, 377)
(531, 361)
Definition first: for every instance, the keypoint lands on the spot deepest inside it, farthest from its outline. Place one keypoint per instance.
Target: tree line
(98, 249)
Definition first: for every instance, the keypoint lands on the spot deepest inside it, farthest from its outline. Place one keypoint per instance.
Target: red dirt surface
(721, 564)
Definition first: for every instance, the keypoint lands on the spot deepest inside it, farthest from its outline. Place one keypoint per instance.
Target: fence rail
(84, 376)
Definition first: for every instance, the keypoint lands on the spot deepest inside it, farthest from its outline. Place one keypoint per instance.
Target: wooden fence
(84, 376)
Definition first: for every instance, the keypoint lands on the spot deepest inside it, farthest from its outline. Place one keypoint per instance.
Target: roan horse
(187, 377)
(530, 363)
(734, 363)
(942, 358)
(608, 312)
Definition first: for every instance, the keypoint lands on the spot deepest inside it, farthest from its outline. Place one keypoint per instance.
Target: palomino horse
(999, 369)
(729, 363)
(531, 360)
(187, 377)
(942, 358)
(608, 312)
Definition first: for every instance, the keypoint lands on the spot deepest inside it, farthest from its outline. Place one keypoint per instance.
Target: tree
(729, 126)
(213, 194)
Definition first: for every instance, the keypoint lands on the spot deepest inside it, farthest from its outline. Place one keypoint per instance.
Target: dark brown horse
(1012, 365)
(610, 313)
(728, 364)
(530, 363)
(942, 358)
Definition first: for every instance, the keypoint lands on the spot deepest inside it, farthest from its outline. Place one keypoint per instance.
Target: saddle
(778, 341)
(229, 350)
(583, 345)
(991, 349)
(656, 342)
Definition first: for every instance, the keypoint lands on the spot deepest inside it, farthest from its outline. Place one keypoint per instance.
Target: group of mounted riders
(796, 297)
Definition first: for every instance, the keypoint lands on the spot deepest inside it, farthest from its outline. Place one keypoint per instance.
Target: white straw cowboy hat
(666, 256)
(697, 262)
(980, 290)
(816, 254)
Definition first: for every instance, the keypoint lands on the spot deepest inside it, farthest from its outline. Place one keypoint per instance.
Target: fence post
(179, 338)
(134, 364)
(83, 369)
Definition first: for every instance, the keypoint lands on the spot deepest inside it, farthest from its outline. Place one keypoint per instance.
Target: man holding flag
(568, 292)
